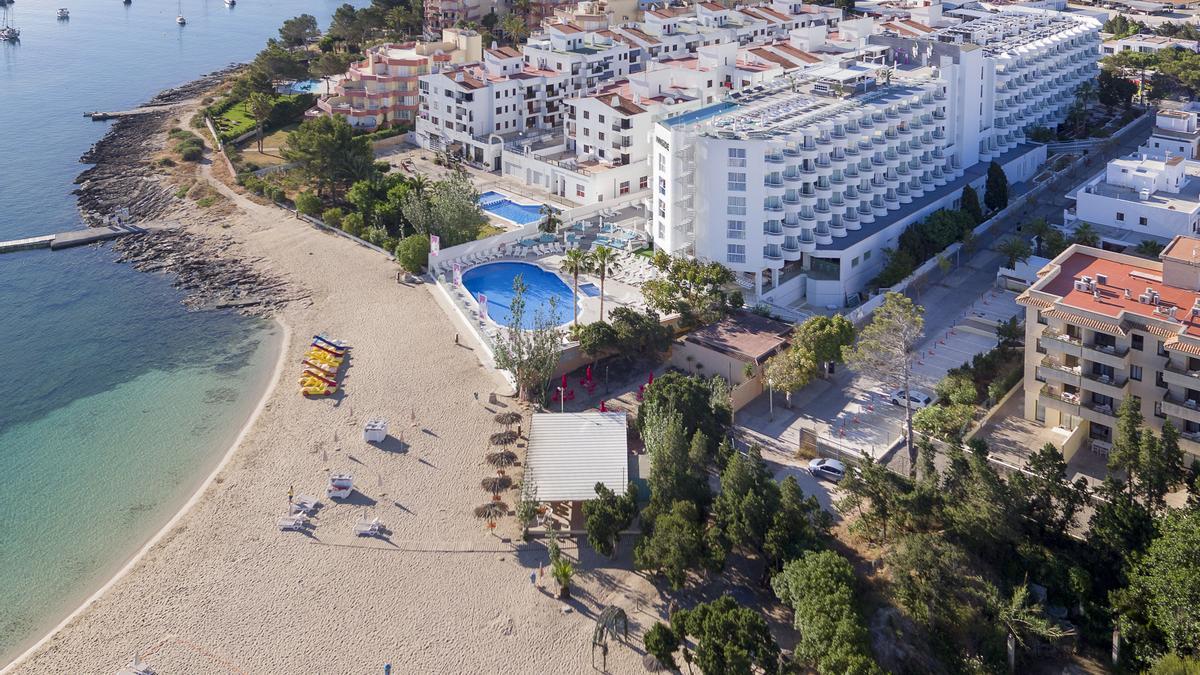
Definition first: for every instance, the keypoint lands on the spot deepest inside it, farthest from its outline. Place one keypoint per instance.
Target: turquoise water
(521, 214)
(117, 403)
(495, 280)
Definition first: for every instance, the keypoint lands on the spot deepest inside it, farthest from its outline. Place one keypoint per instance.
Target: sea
(115, 401)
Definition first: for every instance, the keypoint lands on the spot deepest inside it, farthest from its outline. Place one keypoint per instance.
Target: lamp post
(562, 399)
(771, 396)
(606, 378)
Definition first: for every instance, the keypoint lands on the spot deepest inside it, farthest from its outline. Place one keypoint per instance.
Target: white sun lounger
(368, 528)
(304, 504)
(293, 523)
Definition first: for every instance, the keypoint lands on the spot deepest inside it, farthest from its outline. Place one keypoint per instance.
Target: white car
(827, 468)
(916, 397)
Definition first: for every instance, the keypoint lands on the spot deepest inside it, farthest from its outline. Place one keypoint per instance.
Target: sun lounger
(304, 504)
(368, 528)
(293, 523)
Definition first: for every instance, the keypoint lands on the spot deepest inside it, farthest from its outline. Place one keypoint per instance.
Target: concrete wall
(731, 368)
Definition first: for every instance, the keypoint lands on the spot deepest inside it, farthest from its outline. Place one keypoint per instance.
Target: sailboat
(9, 32)
(230, 3)
(179, 19)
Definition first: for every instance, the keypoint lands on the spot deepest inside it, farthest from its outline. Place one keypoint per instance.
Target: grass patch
(489, 231)
(183, 191)
(205, 202)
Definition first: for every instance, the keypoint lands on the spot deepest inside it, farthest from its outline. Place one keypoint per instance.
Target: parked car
(918, 398)
(830, 469)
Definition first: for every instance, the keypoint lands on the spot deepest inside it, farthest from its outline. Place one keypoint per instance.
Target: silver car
(830, 469)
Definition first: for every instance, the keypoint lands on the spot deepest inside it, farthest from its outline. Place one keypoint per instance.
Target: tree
(995, 190)
(1159, 466)
(970, 204)
(1148, 248)
(327, 151)
(729, 638)
(1085, 235)
(562, 570)
(930, 577)
(820, 589)
(871, 492)
(639, 334)
(454, 204)
(413, 252)
(677, 545)
(530, 356)
(574, 263)
(662, 643)
(550, 219)
(279, 62)
(1120, 528)
(789, 370)
(514, 28)
(1044, 496)
(887, 349)
(1024, 620)
(251, 80)
(299, 31)
(527, 507)
(1115, 91)
(1038, 228)
(1161, 606)
(749, 497)
(1014, 250)
(798, 524)
(674, 473)
(824, 337)
(328, 65)
(596, 338)
(308, 204)
(1127, 443)
(691, 397)
(691, 288)
(260, 106)
(607, 516)
(603, 261)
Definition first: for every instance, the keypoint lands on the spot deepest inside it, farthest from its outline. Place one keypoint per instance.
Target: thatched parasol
(503, 438)
(508, 418)
(496, 484)
(502, 459)
(491, 510)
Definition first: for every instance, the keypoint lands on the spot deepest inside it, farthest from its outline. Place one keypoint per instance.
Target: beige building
(1102, 326)
(736, 348)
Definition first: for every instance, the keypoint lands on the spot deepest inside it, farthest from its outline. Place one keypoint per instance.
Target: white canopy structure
(570, 452)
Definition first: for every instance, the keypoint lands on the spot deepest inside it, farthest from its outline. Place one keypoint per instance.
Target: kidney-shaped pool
(495, 280)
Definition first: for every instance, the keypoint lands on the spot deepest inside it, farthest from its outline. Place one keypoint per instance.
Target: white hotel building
(800, 185)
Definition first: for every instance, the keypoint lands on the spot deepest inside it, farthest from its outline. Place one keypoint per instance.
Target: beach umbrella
(651, 381)
(503, 438)
(496, 484)
(501, 459)
(602, 408)
(589, 374)
(564, 382)
(508, 418)
(491, 510)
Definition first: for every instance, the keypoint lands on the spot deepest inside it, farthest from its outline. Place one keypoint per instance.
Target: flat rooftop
(1187, 200)
(1136, 277)
(746, 336)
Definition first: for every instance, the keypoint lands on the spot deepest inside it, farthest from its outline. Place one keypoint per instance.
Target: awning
(570, 452)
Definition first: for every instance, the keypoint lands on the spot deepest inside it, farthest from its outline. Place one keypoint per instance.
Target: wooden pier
(70, 239)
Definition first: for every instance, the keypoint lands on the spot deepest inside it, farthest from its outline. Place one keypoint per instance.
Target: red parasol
(564, 381)
(651, 378)
(602, 408)
(589, 374)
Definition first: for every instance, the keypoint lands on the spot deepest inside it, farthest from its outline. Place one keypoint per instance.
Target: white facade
(1176, 132)
(1147, 44)
(1153, 195)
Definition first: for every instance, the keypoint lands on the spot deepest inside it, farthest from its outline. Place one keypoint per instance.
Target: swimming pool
(495, 280)
(521, 214)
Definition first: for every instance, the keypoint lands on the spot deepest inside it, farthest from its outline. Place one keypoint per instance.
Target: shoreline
(192, 500)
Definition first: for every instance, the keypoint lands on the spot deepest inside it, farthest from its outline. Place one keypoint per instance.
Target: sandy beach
(223, 591)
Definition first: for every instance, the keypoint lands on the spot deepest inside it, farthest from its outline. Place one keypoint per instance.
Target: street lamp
(771, 396)
(562, 399)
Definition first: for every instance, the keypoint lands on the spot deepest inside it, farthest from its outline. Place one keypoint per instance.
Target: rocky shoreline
(122, 176)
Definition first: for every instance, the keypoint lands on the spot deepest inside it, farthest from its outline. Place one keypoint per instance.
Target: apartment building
(1176, 132)
(1147, 44)
(1103, 326)
(586, 57)
(382, 89)
(799, 186)
(1154, 195)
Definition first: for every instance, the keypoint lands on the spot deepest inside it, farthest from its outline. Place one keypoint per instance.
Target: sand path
(224, 591)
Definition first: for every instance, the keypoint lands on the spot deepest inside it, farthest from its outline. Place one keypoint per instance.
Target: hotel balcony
(1054, 370)
(1113, 386)
(1180, 375)
(1109, 356)
(1105, 414)
(1056, 399)
(1176, 406)
(1057, 342)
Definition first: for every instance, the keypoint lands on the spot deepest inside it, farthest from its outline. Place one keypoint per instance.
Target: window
(1158, 380)
(1137, 341)
(854, 262)
(737, 157)
(1158, 412)
(1162, 351)
(662, 186)
(1120, 216)
(735, 253)
(1141, 220)
(736, 207)
(623, 188)
(579, 192)
(1135, 373)
(737, 182)
(736, 229)
(643, 182)
(662, 209)
(1042, 319)
(586, 115)
(662, 162)
(866, 256)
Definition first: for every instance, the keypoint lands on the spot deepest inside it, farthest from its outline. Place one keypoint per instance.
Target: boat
(64, 13)
(230, 3)
(8, 32)
(179, 19)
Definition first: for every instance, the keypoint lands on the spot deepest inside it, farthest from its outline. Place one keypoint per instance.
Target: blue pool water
(304, 87)
(521, 214)
(495, 280)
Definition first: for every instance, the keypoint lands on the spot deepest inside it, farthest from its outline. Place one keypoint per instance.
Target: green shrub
(947, 422)
(165, 161)
(308, 203)
(191, 154)
(413, 252)
(205, 202)
(353, 224)
(957, 387)
(333, 217)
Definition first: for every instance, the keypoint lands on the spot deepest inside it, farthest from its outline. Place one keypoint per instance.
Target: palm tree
(1038, 228)
(604, 261)
(1086, 235)
(1014, 250)
(575, 262)
(259, 105)
(562, 571)
(514, 28)
(418, 184)
(1022, 620)
(550, 220)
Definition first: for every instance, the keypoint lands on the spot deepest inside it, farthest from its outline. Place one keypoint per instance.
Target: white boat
(179, 18)
(230, 3)
(9, 34)
(340, 486)
(64, 13)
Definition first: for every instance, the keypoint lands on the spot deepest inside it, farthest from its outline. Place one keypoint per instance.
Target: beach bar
(569, 453)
